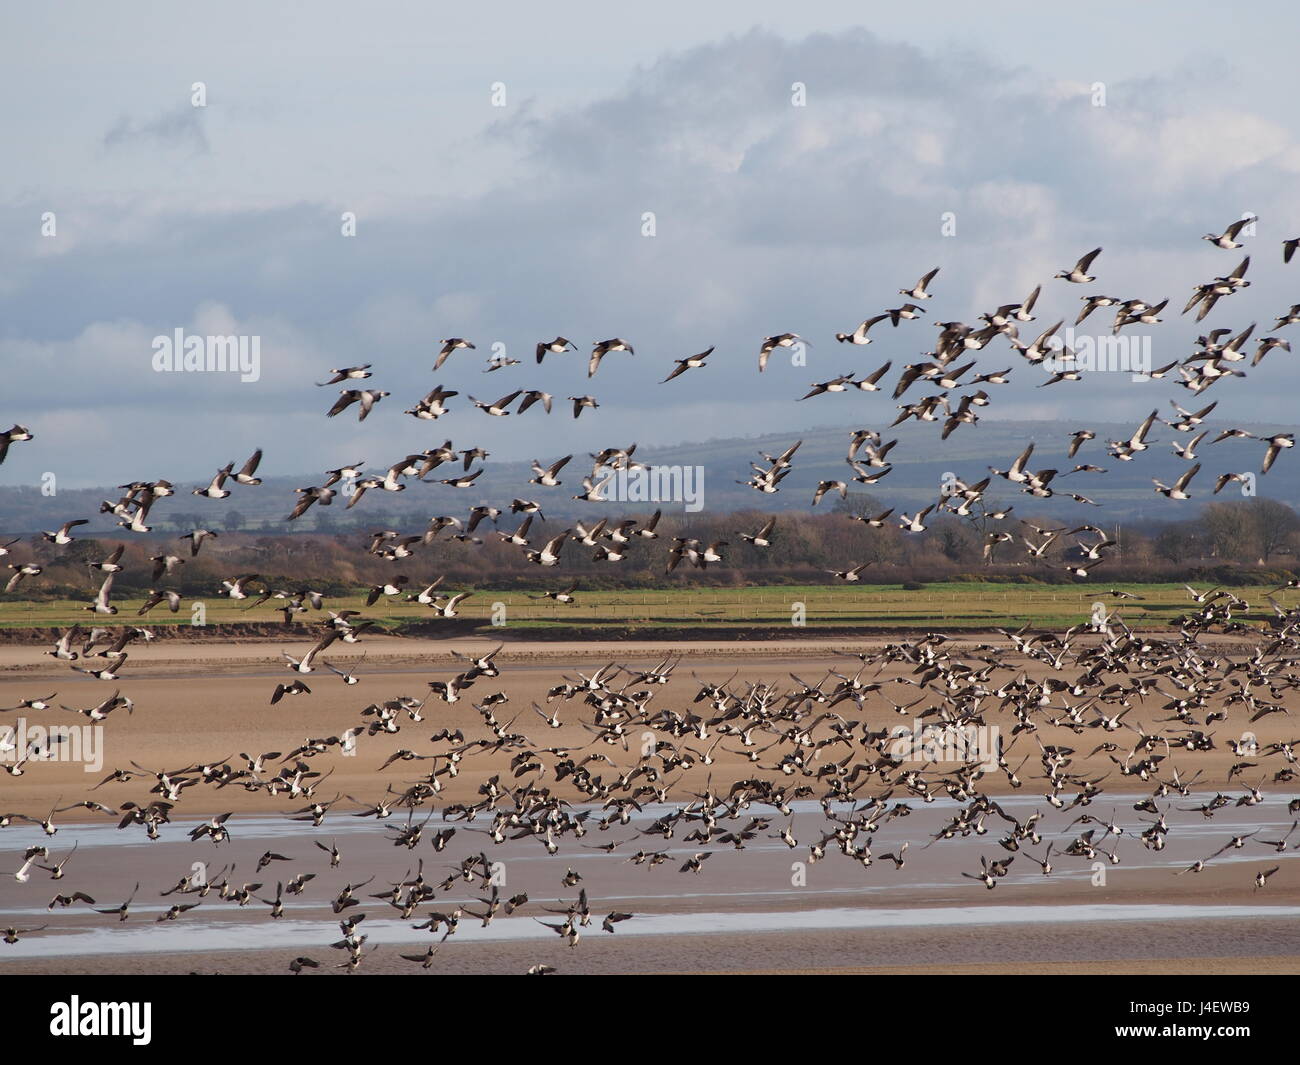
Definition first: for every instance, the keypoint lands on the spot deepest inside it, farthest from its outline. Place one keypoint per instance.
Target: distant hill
(1125, 491)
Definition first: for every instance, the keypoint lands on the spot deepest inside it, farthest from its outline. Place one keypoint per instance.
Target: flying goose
(101, 604)
(762, 538)
(558, 346)
(830, 486)
(535, 396)
(12, 436)
(838, 384)
(1092, 303)
(907, 311)
(549, 555)
(1179, 489)
(157, 596)
(581, 402)
(448, 346)
(365, 399)
(870, 383)
(1227, 239)
(61, 536)
(919, 291)
(859, 335)
(564, 596)
(853, 573)
(1124, 450)
(112, 563)
(245, 475)
(432, 407)
(1275, 447)
(1079, 272)
(779, 340)
(691, 362)
(914, 524)
(348, 373)
(214, 489)
(499, 409)
(603, 348)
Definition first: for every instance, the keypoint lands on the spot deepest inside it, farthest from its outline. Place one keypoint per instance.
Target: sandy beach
(763, 908)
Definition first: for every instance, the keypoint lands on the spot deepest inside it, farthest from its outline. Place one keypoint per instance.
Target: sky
(511, 224)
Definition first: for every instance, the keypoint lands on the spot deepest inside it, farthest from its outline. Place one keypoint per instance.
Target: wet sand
(766, 908)
(198, 704)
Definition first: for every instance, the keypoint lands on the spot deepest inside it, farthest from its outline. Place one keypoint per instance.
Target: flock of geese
(1150, 704)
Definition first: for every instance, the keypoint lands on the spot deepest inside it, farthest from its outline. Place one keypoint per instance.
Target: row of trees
(1234, 537)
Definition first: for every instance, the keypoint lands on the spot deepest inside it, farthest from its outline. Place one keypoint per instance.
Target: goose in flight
(101, 605)
(12, 436)
(448, 346)
(1179, 489)
(432, 407)
(1124, 450)
(448, 609)
(296, 687)
(581, 403)
(1147, 315)
(26, 569)
(1188, 420)
(547, 476)
(112, 564)
(1092, 303)
(532, 396)
(1016, 474)
(157, 596)
(1024, 312)
(853, 573)
(351, 473)
(389, 588)
(907, 311)
(558, 346)
(762, 538)
(500, 408)
(123, 911)
(1276, 444)
(1228, 238)
(648, 530)
(780, 340)
(603, 348)
(465, 481)
(365, 398)
(1079, 272)
(348, 373)
(214, 489)
(306, 497)
(307, 663)
(61, 536)
(563, 596)
(11, 935)
(1267, 344)
(426, 597)
(918, 292)
(838, 384)
(236, 588)
(691, 362)
(549, 555)
(859, 335)
(246, 473)
(871, 383)
(830, 486)
(1188, 451)
(915, 524)
(163, 564)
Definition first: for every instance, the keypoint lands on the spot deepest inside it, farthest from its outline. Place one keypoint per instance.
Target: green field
(940, 606)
